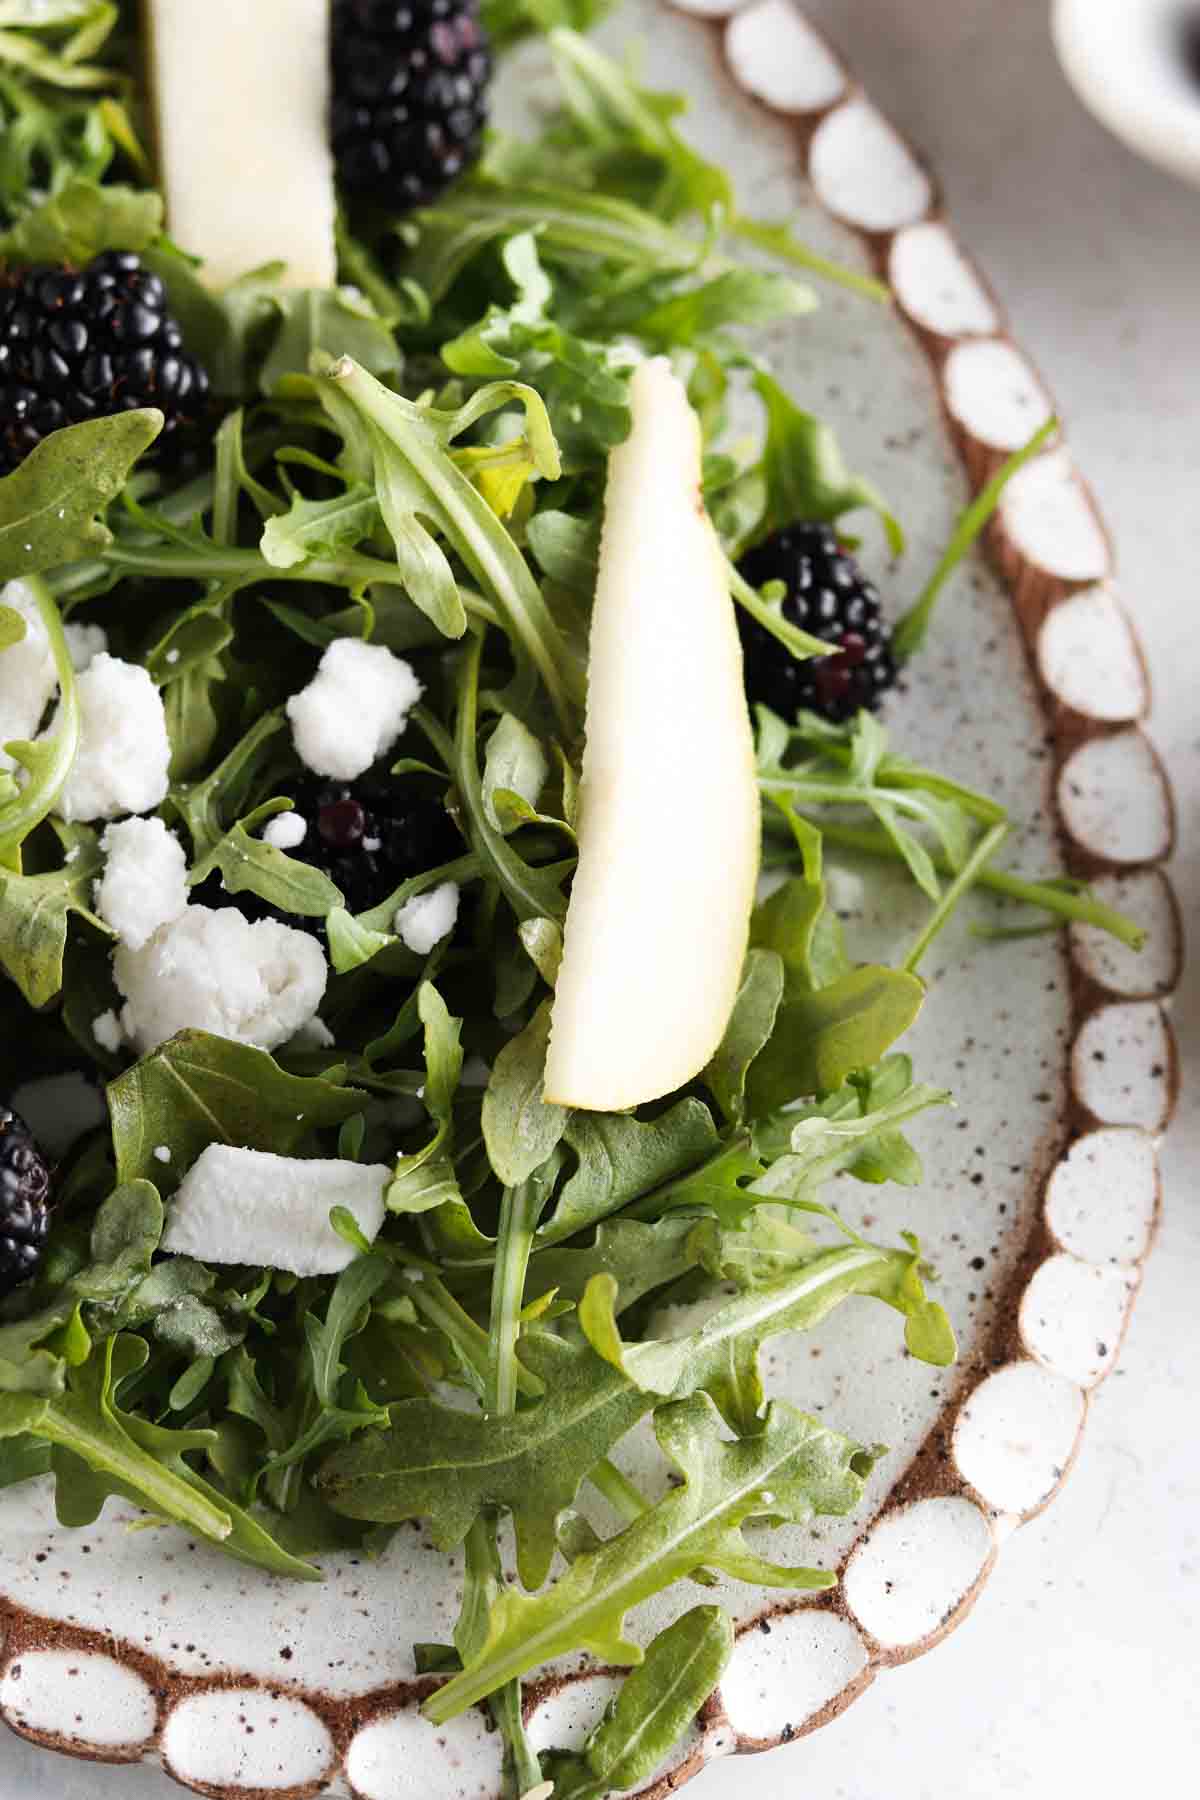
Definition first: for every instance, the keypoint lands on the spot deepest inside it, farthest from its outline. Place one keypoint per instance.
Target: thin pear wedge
(241, 103)
(669, 823)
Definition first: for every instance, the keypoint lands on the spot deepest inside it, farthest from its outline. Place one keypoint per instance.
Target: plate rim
(1042, 567)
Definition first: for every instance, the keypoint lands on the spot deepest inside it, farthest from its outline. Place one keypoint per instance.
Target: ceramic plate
(1041, 1191)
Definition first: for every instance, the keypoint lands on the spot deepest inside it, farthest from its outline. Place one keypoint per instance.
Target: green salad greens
(416, 460)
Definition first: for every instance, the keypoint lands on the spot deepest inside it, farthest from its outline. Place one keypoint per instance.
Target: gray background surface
(1077, 1669)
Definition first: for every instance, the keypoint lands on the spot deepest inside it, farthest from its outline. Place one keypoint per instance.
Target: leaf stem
(966, 878)
(1069, 902)
(778, 240)
(520, 1210)
(910, 633)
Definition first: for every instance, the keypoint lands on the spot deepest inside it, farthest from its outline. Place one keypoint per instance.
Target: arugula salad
(444, 1107)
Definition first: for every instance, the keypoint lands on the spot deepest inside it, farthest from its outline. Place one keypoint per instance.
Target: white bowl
(1124, 59)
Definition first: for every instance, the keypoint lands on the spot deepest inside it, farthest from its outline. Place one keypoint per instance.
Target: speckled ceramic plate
(1042, 1187)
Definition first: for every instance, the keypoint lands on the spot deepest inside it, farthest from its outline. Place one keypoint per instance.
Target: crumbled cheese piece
(124, 752)
(285, 831)
(144, 884)
(212, 970)
(248, 1206)
(426, 919)
(353, 709)
(162, 1153)
(59, 1108)
(172, 657)
(85, 643)
(28, 681)
(106, 1029)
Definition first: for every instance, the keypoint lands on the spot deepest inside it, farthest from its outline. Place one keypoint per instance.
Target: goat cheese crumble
(426, 919)
(144, 884)
(353, 709)
(124, 752)
(286, 831)
(212, 970)
(249, 1206)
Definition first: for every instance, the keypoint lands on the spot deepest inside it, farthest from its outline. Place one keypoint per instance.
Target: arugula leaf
(532, 892)
(82, 219)
(50, 502)
(797, 923)
(741, 297)
(621, 1158)
(575, 228)
(35, 910)
(320, 527)
(721, 1358)
(198, 1090)
(248, 864)
(124, 1236)
(806, 477)
(639, 1257)
(507, 21)
(415, 475)
(483, 1578)
(426, 1178)
(328, 1412)
(515, 768)
(337, 320)
(859, 1136)
(567, 548)
(751, 1024)
(446, 1465)
(805, 1468)
(521, 1129)
(653, 1707)
(822, 1037)
(100, 1449)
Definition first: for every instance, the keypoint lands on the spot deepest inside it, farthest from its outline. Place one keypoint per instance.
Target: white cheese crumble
(212, 970)
(248, 1206)
(162, 1153)
(426, 919)
(28, 681)
(85, 643)
(60, 1108)
(124, 752)
(285, 831)
(353, 709)
(144, 884)
(106, 1029)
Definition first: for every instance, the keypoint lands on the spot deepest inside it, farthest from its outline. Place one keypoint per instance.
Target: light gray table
(1077, 1670)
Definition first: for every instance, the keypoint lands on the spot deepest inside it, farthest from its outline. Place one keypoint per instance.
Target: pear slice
(241, 102)
(669, 823)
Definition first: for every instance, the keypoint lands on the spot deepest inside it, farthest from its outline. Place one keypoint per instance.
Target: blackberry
(368, 836)
(24, 1201)
(829, 596)
(84, 343)
(410, 86)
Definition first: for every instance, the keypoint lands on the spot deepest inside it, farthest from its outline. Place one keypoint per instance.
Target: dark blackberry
(85, 343)
(410, 87)
(368, 836)
(829, 596)
(24, 1201)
